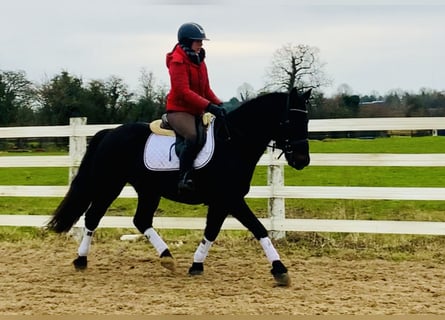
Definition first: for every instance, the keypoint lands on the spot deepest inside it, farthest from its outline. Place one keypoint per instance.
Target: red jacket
(190, 89)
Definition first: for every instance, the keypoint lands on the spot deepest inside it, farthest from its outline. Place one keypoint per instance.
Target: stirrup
(186, 185)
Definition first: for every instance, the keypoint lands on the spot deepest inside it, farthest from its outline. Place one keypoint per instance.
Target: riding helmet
(192, 31)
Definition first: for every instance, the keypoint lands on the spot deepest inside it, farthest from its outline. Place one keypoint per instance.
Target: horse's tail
(79, 196)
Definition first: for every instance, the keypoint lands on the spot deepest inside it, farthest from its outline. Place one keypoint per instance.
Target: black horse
(115, 157)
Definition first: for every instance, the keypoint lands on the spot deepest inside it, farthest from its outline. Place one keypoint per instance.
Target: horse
(114, 157)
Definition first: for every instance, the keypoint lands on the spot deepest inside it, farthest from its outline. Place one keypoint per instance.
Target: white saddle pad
(160, 155)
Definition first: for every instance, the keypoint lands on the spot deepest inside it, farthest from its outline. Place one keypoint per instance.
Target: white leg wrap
(84, 247)
(155, 240)
(269, 249)
(202, 251)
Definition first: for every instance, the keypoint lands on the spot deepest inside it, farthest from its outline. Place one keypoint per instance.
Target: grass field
(295, 208)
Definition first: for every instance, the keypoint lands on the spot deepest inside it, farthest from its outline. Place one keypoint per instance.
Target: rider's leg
(186, 159)
(185, 125)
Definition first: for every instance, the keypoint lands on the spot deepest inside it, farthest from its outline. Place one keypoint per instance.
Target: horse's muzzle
(299, 157)
(300, 162)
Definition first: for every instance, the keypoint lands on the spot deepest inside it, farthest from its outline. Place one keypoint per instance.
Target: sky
(373, 47)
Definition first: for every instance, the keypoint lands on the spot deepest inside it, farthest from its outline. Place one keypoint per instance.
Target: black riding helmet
(191, 31)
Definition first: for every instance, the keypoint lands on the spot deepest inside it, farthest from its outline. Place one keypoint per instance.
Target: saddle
(158, 154)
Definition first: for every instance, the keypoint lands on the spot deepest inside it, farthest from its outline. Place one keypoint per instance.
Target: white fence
(276, 191)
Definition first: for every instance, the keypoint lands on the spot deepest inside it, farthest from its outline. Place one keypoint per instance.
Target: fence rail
(317, 159)
(276, 192)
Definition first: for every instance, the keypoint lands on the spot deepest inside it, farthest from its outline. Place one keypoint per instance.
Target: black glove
(218, 112)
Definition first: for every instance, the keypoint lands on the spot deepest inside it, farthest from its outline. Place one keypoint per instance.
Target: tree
(351, 103)
(17, 97)
(344, 89)
(296, 66)
(150, 103)
(245, 92)
(96, 102)
(119, 99)
(61, 98)
(107, 101)
(414, 106)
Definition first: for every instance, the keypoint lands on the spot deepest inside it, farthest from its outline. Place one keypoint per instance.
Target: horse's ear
(293, 94)
(307, 94)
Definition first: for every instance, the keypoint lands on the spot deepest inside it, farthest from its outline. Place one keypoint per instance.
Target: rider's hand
(217, 111)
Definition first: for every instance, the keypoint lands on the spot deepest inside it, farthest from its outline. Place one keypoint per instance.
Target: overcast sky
(372, 46)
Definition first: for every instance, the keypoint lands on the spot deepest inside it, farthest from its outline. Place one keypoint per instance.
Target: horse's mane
(261, 101)
(263, 111)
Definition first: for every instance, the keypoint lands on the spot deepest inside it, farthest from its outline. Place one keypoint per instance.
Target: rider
(190, 95)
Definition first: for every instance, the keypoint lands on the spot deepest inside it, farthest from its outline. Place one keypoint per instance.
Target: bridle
(288, 145)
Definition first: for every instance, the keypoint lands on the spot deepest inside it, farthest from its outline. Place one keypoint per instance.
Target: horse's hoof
(80, 263)
(282, 279)
(196, 269)
(279, 272)
(168, 263)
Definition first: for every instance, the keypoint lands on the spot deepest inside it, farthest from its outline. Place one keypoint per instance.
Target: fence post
(276, 207)
(77, 147)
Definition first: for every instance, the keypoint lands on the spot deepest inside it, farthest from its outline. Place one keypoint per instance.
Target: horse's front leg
(143, 220)
(167, 260)
(214, 221)
(243, 213)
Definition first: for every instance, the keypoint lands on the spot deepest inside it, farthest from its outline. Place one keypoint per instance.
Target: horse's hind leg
(143, 220)
(93, 216)
(243, 213)
(81, 262)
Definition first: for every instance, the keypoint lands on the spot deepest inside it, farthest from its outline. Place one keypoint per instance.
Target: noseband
(287, 145)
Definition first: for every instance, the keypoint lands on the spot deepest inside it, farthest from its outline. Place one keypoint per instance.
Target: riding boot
(186, 160)
(185, 183)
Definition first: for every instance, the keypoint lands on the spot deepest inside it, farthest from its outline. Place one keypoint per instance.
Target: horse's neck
(251, 126)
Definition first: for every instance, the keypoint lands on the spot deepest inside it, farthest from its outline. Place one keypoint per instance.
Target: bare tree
(147, 81)
(245, 92)
(296, 66)
(344, 89)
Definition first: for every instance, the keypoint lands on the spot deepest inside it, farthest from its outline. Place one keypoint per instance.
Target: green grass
(380, 145)
(34, 176)
(367, 176)
(32, 154)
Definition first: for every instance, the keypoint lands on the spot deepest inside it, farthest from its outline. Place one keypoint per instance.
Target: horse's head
(293, 130)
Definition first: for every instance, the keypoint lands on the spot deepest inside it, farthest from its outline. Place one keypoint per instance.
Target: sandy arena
(37, 278)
